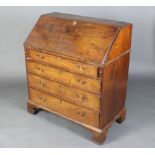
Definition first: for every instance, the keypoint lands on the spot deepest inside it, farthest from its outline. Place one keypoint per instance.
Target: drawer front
(67, 64)
(65, 108)
(65, 77)
(74, 95)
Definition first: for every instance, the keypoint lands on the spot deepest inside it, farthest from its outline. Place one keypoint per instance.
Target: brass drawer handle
(81, 68)
(43, 99)
(81, 98)
(40, 56)
(82, 114)
(40, 69)
(81, 82)
(59, 59)
(60, 101)
(42, 83)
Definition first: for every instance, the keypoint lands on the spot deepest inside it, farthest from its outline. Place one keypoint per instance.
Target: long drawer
(71, 79)
(64, 63)
(82, 98)
(65, 108)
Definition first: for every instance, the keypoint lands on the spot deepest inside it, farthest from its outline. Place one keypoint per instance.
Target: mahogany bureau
(77, 68)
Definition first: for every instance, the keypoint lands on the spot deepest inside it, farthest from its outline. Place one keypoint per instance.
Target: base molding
(31, 108)
(98, 135)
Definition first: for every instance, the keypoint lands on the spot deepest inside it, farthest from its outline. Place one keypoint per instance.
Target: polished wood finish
(59, 105)
(68, 78)
(76, 96)
(75, 38)
(114, 89)
(121, 44)
(77, 68)
(64, 63)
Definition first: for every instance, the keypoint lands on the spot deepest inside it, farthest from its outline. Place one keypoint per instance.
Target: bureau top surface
(83, 38)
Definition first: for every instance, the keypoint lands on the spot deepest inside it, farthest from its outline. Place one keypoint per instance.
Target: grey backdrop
(20, 129)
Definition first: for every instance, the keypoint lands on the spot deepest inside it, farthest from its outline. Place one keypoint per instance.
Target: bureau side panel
(121, 44)
(115, 77)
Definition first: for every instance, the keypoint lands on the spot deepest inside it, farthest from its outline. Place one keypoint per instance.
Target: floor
(18, 128)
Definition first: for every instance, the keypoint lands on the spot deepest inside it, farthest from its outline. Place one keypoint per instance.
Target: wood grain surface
(68, 109)
(77, 67)
(64, 63)
(65, 77)
(76, 96)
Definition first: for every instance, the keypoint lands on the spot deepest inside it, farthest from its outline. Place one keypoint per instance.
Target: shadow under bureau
(77, 68)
